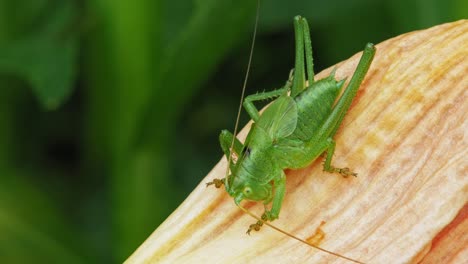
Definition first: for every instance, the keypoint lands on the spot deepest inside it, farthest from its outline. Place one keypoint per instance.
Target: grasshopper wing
(279, 120)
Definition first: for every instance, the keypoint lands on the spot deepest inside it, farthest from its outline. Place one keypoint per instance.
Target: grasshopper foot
(255, 227)
(259, 223)
(217, 183)
(345, 172)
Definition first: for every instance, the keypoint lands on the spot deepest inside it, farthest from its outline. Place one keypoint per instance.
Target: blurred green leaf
(46, 60)
(193, 57)
(19, 17)
(47, 64)
(31, 228)
(156, 62)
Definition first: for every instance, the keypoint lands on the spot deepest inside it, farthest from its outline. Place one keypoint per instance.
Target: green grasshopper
(294, 130)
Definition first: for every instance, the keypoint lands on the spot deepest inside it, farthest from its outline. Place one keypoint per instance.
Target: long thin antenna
(297, 238)
(243, 91)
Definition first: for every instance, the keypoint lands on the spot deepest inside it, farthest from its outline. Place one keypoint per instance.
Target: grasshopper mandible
(294, 130)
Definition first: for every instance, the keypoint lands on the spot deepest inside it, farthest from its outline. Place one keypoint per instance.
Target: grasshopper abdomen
(314, 105)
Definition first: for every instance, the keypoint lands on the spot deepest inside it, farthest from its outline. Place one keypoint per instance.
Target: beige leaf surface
(405, 135)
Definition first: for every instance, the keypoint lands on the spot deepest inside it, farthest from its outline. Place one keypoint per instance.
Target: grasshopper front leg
(280, 191)
(225, 139)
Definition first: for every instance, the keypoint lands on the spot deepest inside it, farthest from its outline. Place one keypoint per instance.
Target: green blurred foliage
(40, 53)
(110, 110)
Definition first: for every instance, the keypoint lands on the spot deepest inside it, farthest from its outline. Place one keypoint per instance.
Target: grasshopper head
(240, 190)
(252, 173)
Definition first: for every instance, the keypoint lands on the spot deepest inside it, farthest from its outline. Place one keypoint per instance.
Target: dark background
(110, 110)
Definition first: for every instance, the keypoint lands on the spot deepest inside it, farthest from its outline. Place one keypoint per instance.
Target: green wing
(279, 120)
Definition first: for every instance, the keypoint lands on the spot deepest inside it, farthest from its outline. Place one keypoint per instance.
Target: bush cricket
(293, 130)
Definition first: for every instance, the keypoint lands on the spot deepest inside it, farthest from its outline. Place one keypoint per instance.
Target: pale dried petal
(406, 136)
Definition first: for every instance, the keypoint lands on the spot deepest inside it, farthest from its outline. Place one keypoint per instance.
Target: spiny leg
(299, 82)
(303, 45)
(343, 104)
(334, 120)
(327, 165)
(250, 107)
(225, 139)
(308, 51)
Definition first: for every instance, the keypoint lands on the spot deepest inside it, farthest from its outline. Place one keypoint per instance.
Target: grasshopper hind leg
(345, 172)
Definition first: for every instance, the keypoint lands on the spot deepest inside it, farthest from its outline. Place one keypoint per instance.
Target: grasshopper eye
(247, 191)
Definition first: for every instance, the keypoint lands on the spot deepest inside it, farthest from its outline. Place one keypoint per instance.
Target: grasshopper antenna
(236, 126)
(297, 238)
